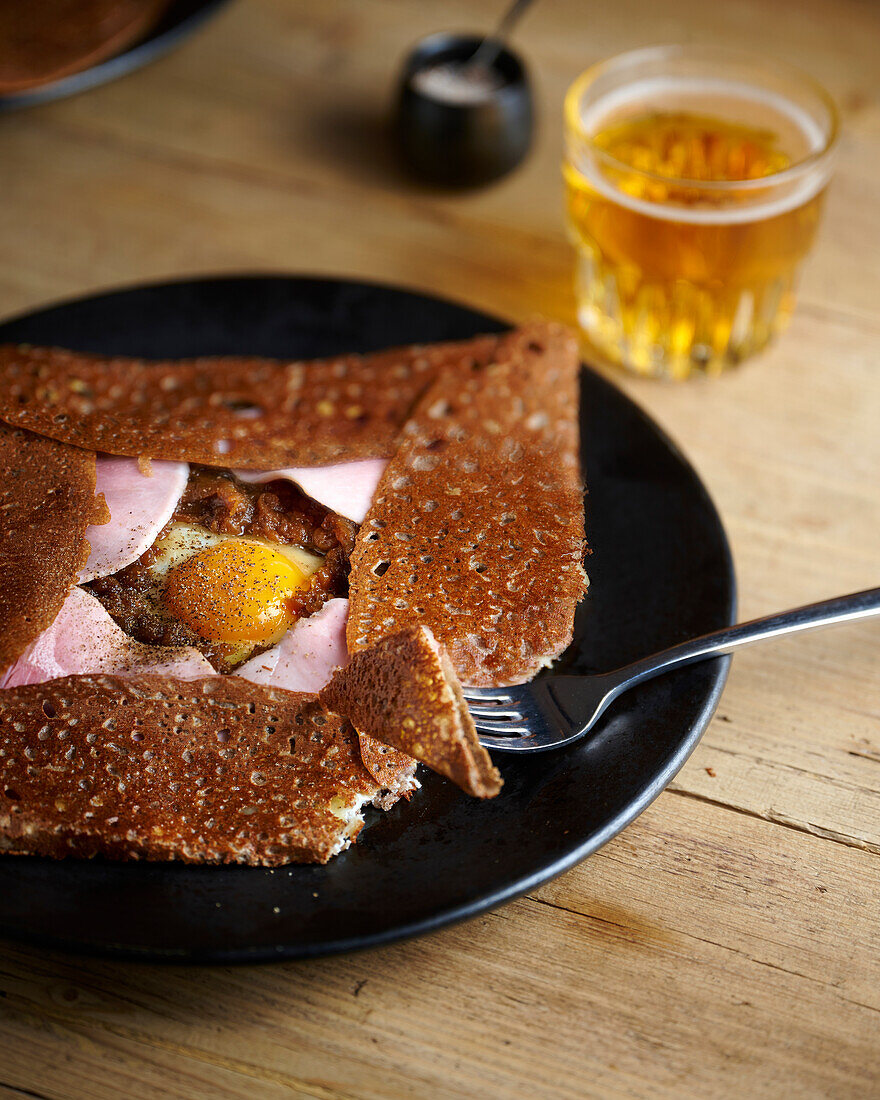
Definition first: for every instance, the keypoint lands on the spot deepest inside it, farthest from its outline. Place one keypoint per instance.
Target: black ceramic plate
(660, 571)
(181, 19)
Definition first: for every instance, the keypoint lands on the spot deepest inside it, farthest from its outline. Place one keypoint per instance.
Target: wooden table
(726, 944)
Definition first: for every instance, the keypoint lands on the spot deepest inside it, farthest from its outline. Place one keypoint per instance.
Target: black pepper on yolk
(235, 592)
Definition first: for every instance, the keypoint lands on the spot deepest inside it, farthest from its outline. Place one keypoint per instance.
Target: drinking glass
(695, 180)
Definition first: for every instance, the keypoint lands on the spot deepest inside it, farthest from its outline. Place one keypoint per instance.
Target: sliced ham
(83, 638)
(307, 655)
(140, 505)
(346, 487)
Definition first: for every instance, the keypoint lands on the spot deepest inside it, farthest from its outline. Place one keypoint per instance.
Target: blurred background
(262, 142)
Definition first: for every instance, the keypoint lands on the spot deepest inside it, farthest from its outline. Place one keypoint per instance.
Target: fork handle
(841, 609)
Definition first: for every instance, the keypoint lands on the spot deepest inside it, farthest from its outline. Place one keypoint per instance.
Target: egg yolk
(235, 592)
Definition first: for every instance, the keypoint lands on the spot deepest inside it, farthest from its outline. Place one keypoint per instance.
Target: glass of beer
(695, 179)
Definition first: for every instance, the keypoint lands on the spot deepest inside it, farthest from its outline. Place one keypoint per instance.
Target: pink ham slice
(139, 505)
(83, 638)
(307, 655)
(346, 487)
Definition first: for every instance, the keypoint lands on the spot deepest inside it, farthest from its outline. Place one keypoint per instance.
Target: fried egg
(232, 590)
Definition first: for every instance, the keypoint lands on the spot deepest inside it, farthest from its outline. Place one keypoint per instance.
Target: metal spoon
(486, 54)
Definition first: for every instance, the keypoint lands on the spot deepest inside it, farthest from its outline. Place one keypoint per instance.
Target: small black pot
(464, 144)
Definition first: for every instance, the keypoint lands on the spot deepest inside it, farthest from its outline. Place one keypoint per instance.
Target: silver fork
(556, 710)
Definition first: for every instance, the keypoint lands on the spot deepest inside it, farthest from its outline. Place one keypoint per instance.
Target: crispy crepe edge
(403, 691)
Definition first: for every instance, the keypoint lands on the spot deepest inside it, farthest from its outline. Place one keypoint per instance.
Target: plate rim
(485, 902)
(150, 46)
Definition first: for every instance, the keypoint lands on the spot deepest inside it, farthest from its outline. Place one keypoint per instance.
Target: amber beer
(694, 190)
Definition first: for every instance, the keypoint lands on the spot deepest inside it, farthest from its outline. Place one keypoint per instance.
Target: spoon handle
(488, 50)
(516, 9)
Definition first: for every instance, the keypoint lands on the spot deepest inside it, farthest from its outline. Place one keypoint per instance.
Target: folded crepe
(47, 501)
(403, 690)
(472, 547)
(251, 413)
(220, 770)
(477, 527)
(214, 771)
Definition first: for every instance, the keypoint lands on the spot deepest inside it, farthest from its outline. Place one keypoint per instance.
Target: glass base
(678, 330)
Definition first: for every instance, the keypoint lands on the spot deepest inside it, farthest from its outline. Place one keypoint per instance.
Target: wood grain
(653, 969)
(725, 944)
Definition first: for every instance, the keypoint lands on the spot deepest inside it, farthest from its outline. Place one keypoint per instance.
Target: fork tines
(494, 710)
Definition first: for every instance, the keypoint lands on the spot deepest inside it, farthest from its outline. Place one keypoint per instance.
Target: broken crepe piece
(403, 691)
(47, 500)
(258, 414)
(477, 528)
(382, 761)
(216, 771)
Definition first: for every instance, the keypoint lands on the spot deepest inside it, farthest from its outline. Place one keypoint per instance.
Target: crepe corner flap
(403, 691)
(477, 527)
(248, 413)
(47, 500)
(218, 770)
